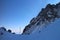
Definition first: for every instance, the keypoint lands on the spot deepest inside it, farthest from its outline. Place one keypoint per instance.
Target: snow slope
(50, 32)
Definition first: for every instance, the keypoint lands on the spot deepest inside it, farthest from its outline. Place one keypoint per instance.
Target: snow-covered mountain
(45, 17)
(45, 26)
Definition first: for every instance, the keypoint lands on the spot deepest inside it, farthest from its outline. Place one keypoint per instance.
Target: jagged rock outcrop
(3, 29)
(47, 14)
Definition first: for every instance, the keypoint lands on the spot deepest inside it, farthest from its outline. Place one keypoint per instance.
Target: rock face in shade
(47, 15)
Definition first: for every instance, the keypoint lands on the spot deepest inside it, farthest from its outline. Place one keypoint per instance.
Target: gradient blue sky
(16, 14)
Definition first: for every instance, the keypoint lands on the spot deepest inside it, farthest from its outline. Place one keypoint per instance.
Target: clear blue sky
(16, 14)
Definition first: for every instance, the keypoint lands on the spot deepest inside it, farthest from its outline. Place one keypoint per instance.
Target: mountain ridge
(46, 15)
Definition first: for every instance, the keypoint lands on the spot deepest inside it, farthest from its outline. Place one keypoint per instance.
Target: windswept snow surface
(50, 32)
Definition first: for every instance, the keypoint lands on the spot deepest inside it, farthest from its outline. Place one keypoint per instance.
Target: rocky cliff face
(47, 15)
